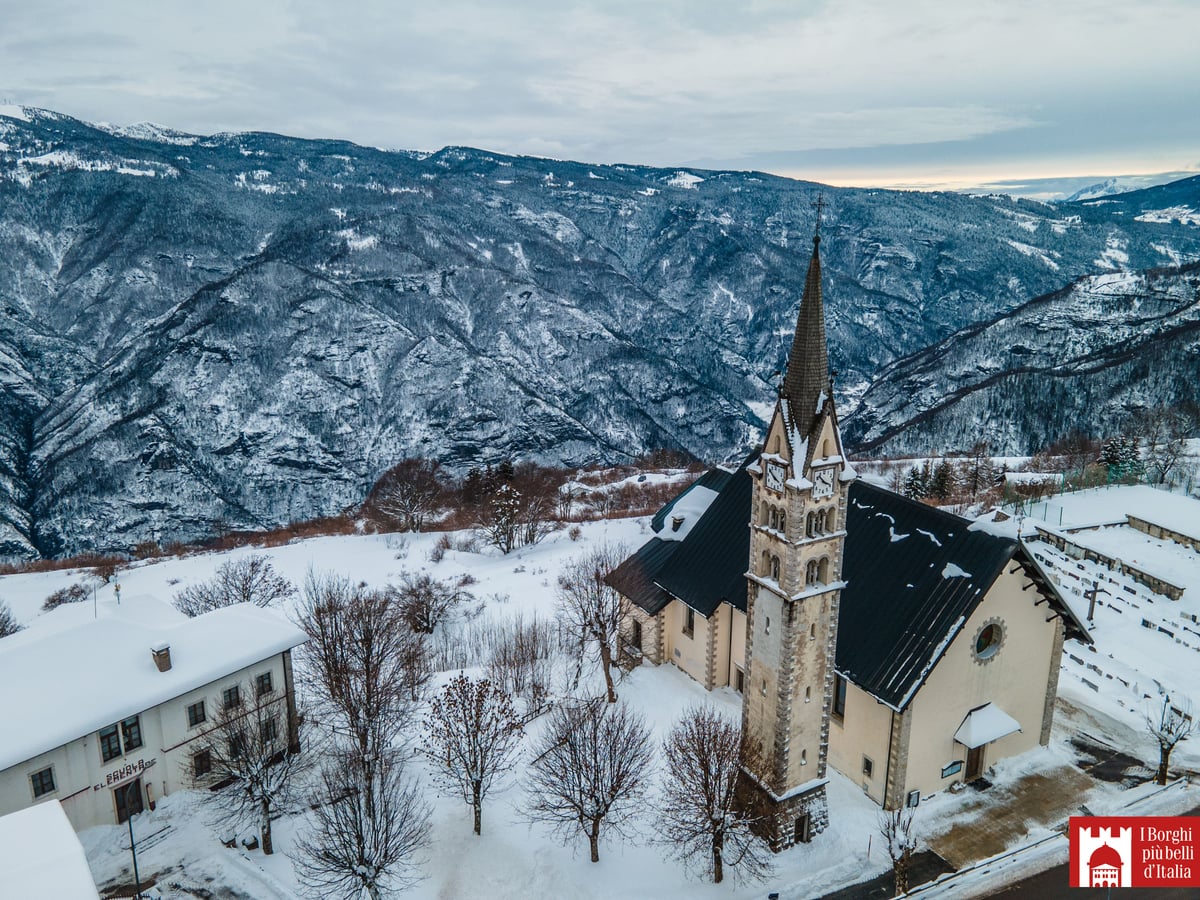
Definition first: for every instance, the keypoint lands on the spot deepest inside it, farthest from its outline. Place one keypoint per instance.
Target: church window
(825, 447)
(807, 694)
(811, 572)
(808, 527)
(762, 688)
(830, 518)
(689, 622)
(820, 524)
(635, 634)
(775, 568)
(812, 631)
(774, 518)
(804, 757)
(988, 640)
(782, 521)
(776, 444)
(766, 563)
(763, 517)
(868, 766)
(839, 696)
(823, 571)
(767, 626)
(739, 679)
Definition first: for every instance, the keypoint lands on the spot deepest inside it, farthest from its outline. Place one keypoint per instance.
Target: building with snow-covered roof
(109, 713)
(41, 858)
(865, 631)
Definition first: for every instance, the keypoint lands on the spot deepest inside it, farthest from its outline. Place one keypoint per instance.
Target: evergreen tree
(942, 483)
(914, 484)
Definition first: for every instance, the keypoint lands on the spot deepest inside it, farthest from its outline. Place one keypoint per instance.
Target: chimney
(162, 655)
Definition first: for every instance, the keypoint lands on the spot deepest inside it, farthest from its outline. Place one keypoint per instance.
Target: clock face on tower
(823, 483)
(775, 473)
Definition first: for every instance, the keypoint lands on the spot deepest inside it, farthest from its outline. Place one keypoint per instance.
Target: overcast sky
(906, 92)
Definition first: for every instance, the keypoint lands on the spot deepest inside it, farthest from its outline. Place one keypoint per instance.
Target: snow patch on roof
(986, 724)
(932, 537)
(112, 675)
(40, 855)
(686, 512)
(953, 571)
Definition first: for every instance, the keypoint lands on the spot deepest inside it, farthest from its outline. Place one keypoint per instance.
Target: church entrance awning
(985, 724)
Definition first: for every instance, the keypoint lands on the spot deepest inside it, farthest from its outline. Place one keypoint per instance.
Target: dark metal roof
(913, 573)
(714, 479)
(710, 565)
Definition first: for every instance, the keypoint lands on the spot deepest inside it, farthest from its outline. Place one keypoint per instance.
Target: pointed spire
(807, 375)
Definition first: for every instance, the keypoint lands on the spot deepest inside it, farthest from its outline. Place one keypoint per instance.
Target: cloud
(662, 83)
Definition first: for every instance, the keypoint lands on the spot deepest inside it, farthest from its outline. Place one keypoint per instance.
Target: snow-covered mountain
(242, 329)
(1081, 357)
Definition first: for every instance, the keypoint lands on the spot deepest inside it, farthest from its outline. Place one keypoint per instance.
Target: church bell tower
(797, 532)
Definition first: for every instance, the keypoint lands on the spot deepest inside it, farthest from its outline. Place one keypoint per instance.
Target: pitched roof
(112, 675)
(913, 573)
(705, 568)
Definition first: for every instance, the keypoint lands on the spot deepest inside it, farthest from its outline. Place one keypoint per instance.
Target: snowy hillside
(1102, 691)
(240, 330)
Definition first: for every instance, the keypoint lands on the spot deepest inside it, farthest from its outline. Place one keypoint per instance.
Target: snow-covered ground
(515, 859)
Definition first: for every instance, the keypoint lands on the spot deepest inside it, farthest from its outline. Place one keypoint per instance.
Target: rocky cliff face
(244, 329)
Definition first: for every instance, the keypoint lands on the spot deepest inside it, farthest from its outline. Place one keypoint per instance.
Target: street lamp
(134, 786)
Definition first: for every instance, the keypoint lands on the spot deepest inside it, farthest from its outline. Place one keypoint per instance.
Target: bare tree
(8, 622)
(425, 602)
(251, 579)
(364, 666)
(702, 821)
(1170, 726)
(589, 771)
(1165, 431)
(249, 749)
(590, 610)
(408, 492)
(472, 735)
(369, 823)
(524, 660)
(896, 826)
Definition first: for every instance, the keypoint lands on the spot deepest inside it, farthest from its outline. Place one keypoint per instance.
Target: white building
(41, 858)
(108, 714)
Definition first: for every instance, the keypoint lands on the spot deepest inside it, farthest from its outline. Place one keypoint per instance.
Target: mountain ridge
(247, 329)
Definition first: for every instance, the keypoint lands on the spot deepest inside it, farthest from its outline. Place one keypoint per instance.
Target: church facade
(864, 631)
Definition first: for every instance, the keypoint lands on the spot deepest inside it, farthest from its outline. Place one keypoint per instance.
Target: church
(894, 641)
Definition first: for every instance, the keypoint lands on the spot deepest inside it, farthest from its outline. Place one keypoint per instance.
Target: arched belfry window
(775, 568)
(809, 525)
(811, 572)
(763, 515)
(766, 563)
(782, 521)
(830, 519)
(774, 518)
(823, 571)
(820, 524)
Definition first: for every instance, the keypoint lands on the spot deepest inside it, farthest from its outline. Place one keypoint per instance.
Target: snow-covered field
(514, 859)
